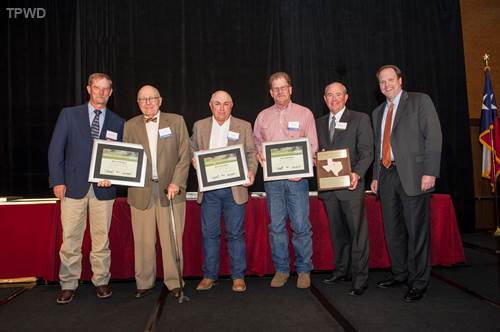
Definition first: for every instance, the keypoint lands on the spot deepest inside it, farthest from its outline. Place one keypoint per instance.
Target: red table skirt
(30, 239)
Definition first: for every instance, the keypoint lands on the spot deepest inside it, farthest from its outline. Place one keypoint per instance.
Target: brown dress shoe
(175, 292)
(66, 296)
(279, 279)
(304, 280)
(104, 291)
(205, 284)
(139, 293)
(239, 285)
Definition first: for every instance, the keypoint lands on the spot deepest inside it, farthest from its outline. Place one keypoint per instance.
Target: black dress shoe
(390, 283)
(334, 278)
(413, 295)
(358, 291)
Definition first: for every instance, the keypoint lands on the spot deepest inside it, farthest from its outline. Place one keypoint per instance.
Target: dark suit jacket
(172, 160)
(70, 151)
(200, 140)
(415, 140)
(358, 138)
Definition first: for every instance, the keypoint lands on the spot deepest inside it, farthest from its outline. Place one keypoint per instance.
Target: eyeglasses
(280, 88)
(147, 100)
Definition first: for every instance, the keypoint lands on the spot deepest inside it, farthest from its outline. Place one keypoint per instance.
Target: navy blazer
(70, 151)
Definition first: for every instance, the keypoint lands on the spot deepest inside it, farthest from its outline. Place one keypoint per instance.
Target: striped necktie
(94, 128)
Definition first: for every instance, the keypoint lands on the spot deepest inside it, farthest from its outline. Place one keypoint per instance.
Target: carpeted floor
(460, 298)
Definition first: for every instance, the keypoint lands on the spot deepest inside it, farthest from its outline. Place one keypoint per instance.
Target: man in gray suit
(339, 129)
(407, 158)
(221, 130)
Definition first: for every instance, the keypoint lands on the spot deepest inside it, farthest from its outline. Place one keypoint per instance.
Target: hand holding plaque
(333, 169)
(117, 163)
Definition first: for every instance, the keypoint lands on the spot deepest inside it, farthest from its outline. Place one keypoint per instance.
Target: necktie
(94, 128)
(332, 128)
(150, 119)
(386, 143)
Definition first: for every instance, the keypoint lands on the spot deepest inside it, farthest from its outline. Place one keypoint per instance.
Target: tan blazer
(172, 158)
(200, 140)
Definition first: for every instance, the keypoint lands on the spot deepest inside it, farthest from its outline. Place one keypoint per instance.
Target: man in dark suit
(407, 158)
(69, 156)
(219, 131)
(343, 128)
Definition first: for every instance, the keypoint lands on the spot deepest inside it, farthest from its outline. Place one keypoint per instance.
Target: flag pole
(494, 162)
(493, 155)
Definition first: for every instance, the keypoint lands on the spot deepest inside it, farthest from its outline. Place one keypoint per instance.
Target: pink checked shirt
(273, 124)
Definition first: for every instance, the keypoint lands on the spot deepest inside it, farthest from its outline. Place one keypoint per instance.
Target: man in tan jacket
(217, 131)
(165, 140)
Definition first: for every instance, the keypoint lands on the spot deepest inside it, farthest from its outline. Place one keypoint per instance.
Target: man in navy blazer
(408, 144)
(69, 157)
(343, 128)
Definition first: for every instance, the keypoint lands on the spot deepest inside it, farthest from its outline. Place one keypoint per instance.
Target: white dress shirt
(218, 135)
(152, 130)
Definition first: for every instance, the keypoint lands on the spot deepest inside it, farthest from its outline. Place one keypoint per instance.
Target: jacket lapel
(164, 123)
(378, 125)
(339, 132)
(401, 109)
(83, 121)
(323, 129)
(205, 132)
(234, 127)
(142, 136)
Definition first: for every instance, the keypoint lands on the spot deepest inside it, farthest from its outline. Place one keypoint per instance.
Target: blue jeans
(211, 208)
(289, 199)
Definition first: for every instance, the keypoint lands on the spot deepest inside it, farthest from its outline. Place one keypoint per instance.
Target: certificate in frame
(287, 159)
(121, 163)
(333, 169)
(221, 168)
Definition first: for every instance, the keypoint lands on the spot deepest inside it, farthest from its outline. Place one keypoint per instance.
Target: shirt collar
(91, 110)
(225, 124)
(338, 116)
(396, 99)
(157, 116)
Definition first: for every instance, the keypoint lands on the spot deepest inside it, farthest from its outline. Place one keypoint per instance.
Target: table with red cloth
(30, 238)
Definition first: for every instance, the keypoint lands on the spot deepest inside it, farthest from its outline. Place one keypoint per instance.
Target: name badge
(341, 125)
(111, 135)
(232, 136)
(165, 132)
(293, 125)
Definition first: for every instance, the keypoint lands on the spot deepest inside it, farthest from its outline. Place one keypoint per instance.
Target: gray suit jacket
(415, 140)
(172, 158)
(358, 138)
(200, 140)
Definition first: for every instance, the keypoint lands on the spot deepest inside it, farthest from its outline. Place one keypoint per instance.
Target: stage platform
(31, 237)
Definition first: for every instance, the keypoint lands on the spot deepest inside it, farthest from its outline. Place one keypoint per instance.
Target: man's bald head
(221, 105)
(149, 100)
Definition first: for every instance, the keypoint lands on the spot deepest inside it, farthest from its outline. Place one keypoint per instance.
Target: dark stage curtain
(188, 49)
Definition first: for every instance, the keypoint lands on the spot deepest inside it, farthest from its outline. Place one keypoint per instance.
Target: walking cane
(173, 235)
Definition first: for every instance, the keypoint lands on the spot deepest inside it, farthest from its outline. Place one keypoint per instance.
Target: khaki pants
(74, 222)
(144, 224)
